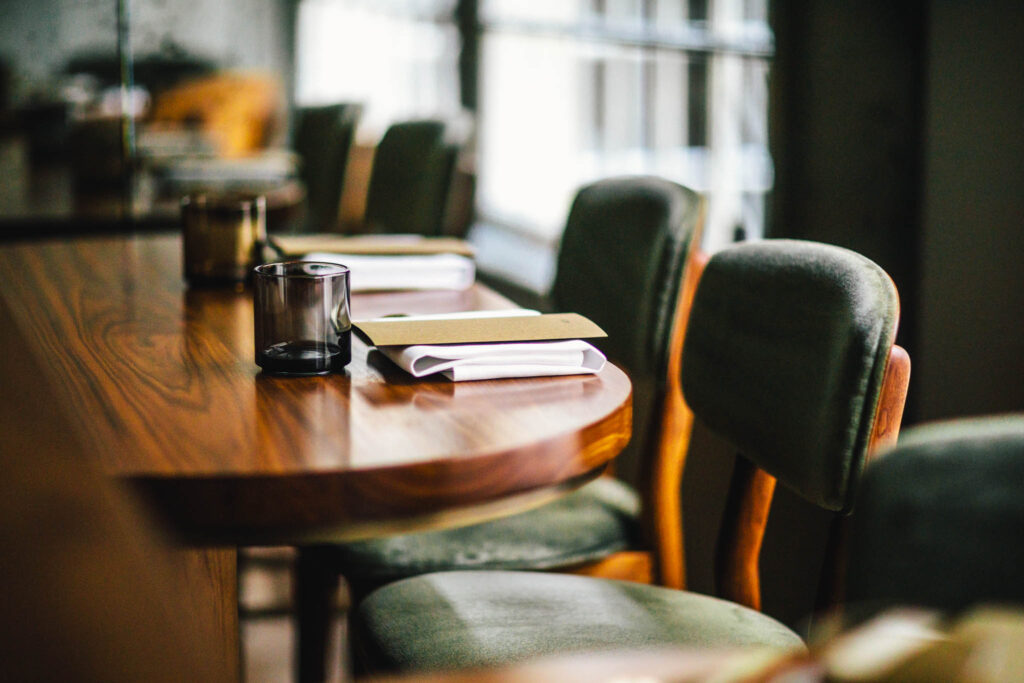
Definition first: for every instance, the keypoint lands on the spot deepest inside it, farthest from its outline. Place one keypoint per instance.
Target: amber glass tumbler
(222, 236)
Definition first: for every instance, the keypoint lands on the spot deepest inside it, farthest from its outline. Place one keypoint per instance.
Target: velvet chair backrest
(940, 519)
(411, 179)
(784, 358)
(323, 139)
(621, 263)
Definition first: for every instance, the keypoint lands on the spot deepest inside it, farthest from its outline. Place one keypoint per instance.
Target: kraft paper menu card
(300, 245)
(488, 344)
(477, 328)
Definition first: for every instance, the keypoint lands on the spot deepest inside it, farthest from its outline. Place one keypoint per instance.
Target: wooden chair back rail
(744, 520)
(663, 514)
(888, 417)
(750, 496)
(889, 413)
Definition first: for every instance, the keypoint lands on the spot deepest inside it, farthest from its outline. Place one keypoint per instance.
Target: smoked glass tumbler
(301, 316)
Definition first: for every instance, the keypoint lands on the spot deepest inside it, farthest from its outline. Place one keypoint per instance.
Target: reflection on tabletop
(465, 396)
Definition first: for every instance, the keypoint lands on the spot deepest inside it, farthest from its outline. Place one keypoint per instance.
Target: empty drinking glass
(301, 317)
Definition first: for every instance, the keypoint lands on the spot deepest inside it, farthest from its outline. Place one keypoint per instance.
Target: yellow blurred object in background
(239, 112)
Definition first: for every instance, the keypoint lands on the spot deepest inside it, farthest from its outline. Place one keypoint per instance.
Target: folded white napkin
(427, 271)
(460, 362)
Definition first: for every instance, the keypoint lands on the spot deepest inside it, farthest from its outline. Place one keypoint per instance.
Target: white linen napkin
(460, 362)
(427, 271)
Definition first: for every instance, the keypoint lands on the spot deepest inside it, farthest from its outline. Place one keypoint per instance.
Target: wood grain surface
(92, 589)
(161, 384)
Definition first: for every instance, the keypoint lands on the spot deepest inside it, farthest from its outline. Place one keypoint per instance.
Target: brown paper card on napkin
(392, 245)
(398, 332)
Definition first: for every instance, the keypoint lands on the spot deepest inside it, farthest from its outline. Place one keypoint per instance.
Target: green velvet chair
(411, 179)
(323, 139)
(789, 356)
(940, 520)
(621, 264)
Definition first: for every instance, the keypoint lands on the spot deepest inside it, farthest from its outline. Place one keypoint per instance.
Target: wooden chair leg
(739, 540)
(360, 662)
(315, 590)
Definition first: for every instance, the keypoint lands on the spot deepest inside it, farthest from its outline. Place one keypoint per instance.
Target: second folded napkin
(460, 362)
(427, 271)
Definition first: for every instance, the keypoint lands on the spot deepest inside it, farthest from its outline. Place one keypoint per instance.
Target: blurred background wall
(971, 302)
(38, 38)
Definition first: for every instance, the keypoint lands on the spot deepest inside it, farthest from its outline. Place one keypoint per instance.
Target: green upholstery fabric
(411, 178)
(323, 138)
(784, 358)
(621, 261)
(456, 620)
(940, 519)
(593, 522)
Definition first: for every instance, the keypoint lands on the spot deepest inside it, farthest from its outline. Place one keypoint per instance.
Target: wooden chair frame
(750, 496)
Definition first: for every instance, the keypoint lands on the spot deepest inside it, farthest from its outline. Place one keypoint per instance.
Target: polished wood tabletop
(160, 382)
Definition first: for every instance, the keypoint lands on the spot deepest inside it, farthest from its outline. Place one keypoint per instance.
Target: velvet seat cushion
(940, 519)
(597, 520)
(455, 620)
